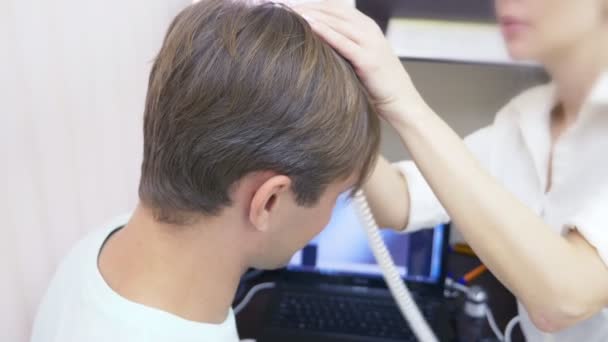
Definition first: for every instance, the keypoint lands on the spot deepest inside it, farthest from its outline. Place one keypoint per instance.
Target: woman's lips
(512, 27)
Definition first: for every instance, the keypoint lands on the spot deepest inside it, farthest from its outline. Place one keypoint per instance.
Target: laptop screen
(342, 248)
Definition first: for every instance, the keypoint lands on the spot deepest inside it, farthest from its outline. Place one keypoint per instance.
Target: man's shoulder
(66, 301)
(81, 259)
(80, 306)
(88, 246)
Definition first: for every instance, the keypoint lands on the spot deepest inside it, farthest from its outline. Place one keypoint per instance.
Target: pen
(473, 274)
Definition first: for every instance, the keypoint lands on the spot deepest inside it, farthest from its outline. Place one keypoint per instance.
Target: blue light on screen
(342, 248)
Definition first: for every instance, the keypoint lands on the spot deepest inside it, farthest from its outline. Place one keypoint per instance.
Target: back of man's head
(240, 88)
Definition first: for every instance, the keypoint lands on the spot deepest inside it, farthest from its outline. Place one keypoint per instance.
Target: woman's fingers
(341, 26)
(344, 19)
(335, 8)
(329, 8)
(344, 45)
(359, 39)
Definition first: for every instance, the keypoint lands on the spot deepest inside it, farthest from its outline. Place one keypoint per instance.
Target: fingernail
(308, 18)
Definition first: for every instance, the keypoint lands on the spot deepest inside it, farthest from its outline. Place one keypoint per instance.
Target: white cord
(509, 330)
(252, 292)
(493, 325)
(453, 284)
(404, 300)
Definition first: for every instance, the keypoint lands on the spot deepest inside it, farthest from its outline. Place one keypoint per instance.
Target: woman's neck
(575, 72)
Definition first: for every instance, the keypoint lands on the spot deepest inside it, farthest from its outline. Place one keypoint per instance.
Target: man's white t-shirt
(516, 150)
(79, 306)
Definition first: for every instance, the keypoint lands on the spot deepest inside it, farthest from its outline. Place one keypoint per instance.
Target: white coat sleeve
(425, 209)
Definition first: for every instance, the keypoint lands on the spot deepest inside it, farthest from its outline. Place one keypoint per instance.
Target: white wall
(73, 77)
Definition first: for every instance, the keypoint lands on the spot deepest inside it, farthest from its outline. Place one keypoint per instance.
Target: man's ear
(264, 200)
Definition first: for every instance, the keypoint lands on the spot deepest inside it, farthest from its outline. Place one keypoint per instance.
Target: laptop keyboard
(344, 314)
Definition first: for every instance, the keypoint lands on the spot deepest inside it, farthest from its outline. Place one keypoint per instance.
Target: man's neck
(192, 272)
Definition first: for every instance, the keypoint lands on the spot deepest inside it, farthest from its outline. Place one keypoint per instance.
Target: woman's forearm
(387, 194)
(520, 249)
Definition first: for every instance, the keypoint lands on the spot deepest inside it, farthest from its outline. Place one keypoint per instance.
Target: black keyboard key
(344, 314)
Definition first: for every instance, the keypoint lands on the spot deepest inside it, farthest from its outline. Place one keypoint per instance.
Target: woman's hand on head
(359, 39)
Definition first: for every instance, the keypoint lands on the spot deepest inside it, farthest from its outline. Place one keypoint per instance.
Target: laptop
(333, 290)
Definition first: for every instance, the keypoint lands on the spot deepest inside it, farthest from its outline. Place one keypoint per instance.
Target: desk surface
(502, 302)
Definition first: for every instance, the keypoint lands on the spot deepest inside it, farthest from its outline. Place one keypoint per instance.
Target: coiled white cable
(402, 296)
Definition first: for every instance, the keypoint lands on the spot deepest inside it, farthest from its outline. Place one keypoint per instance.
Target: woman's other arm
(387, 193)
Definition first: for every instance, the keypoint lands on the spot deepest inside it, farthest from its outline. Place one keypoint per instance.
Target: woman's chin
(519, 53)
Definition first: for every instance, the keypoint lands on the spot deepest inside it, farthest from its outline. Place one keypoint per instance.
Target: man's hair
(239, 88)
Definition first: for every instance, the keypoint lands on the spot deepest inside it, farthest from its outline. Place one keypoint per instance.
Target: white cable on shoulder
(404, 300)
(252, 292)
